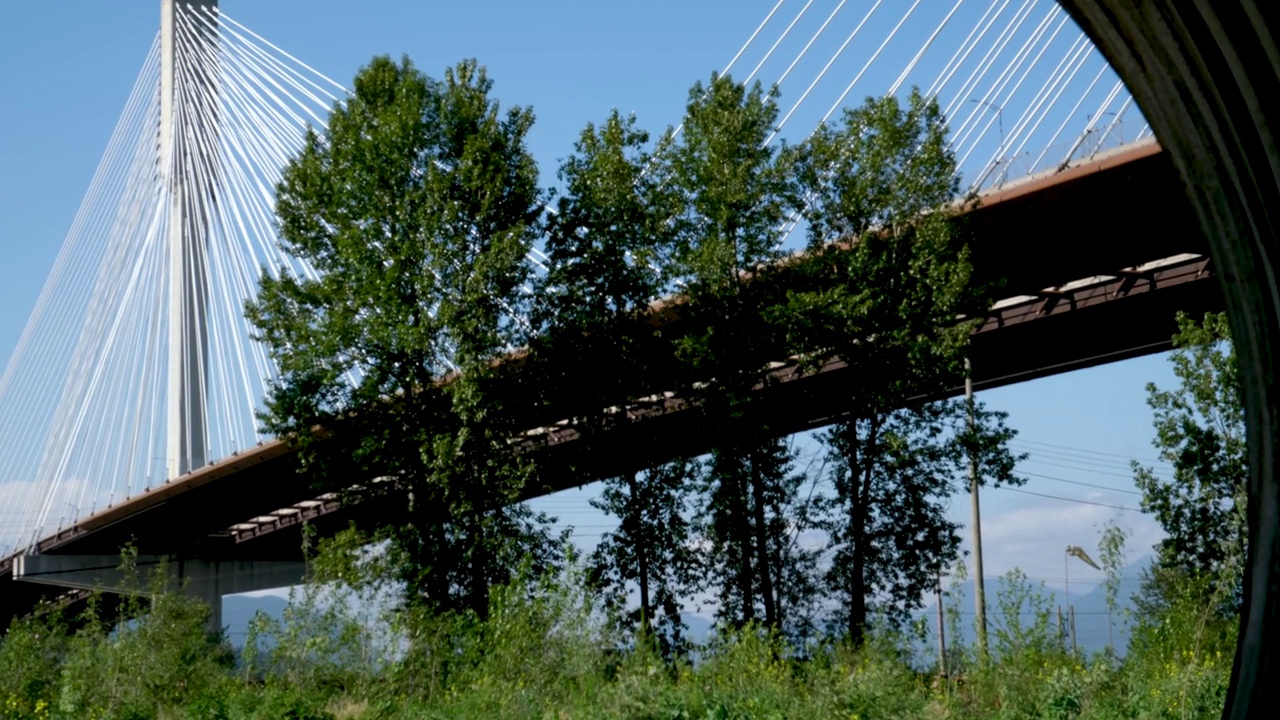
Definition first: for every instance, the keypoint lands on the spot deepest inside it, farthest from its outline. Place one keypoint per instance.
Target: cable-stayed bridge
(135, 381)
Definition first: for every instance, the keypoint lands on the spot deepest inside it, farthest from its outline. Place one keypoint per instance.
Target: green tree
(894, 474)
(1200, 432)
(650, 551)
(887, 274)
(883, 286)
(608, 245)
(766, 575)
(417, 208)
(736, 194)
(1111, 555)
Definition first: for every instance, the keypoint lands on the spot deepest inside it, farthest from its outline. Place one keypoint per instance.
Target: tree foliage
(608, 247)
(736, 191)
(751, 518)
(1200, 432)
(883, 286)
(417, 206)
(894, 474)
(651, 551)
(887, 273)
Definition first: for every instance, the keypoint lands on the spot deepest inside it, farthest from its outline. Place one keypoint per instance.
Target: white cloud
(1033, 538)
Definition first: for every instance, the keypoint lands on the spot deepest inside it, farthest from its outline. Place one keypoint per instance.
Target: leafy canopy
(1200, 432)
(417, 206)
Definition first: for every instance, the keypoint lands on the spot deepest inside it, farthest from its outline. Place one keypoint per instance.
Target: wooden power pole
(979, 593)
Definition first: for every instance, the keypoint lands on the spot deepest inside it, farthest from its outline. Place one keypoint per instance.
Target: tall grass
(547, 650)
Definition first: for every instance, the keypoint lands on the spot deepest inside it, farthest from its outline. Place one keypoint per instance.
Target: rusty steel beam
(1039, 210)
(831, 373)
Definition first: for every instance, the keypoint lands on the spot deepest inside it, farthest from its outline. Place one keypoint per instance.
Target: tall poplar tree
(883, 286)
(608, 246)
(417, 206)
(768, 575)
(650, 551)
(736, 197)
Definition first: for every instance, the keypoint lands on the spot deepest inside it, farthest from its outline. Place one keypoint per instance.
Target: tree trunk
(857, 584)
(642, 557)
(479, 566)
(742, 542)
(436, 582)
(859, 496)
(762, 543)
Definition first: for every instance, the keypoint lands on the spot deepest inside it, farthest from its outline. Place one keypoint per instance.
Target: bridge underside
(1041, 234)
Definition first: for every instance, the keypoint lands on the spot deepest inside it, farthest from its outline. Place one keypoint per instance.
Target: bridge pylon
(188, 167)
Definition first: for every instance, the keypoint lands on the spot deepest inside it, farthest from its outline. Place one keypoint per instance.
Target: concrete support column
(1206, 74)
(188, 164)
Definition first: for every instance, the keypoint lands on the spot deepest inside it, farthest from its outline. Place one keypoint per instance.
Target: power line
(1077, 468)
(1066, 499)
(1090, 452)
(1103, 462)
(1083, 484)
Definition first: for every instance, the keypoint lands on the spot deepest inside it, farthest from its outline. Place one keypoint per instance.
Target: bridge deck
(1041, 234)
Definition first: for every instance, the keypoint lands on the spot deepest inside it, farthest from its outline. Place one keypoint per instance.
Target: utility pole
(942, 634)
(1062, 631)
(979, 592)
(187, 165)
(1074, 651)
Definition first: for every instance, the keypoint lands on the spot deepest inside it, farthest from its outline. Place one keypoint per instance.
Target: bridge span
(1096, 259)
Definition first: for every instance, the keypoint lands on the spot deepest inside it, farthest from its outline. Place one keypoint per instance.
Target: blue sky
(66, 69)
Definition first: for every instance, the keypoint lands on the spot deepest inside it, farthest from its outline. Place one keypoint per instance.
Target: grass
(547, 652)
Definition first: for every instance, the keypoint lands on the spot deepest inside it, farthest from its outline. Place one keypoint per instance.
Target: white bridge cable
(971, 85)
(85, 215)
(248, 66)
(83, 399)
(222, 16)
(814, 38)
(31, 387)
(1113, 125)
(227, 349)
(1002, 83)
(825, 68)
(103, 438)
(911, 66)
(962, 52)
(1071, 115)
(1093, 121)
(967, 88)
(282, 70)
(752, 39)
(116, 283)
(1027, 67)
(72, 273)
(990, 98)
(747, 80)
(676, 133)
(1042, 104)
(1021, 74)
(794, 219)
(246, 121)
(894, 33)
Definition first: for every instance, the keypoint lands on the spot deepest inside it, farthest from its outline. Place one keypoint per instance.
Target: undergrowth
(547, 650)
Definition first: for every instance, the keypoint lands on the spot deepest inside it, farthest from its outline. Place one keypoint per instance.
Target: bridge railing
(1096, 140)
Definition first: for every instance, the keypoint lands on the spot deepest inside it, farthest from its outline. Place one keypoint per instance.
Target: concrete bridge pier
(204, 579)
